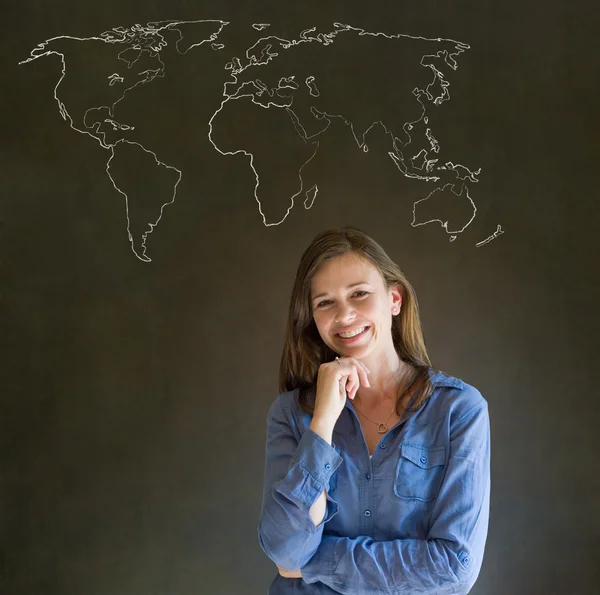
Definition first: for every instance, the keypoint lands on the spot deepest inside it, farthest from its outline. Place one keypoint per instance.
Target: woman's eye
(360, 293)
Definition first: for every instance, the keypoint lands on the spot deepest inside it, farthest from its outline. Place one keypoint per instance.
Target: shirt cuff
(332, 508)
(318, 461)
(321, 565)
(317, 456)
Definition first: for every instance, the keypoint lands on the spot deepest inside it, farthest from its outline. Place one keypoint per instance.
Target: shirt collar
(438, 378)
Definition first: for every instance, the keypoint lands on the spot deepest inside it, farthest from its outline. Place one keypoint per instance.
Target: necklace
(381, 427)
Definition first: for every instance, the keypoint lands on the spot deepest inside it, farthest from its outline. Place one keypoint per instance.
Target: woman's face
(348, 295)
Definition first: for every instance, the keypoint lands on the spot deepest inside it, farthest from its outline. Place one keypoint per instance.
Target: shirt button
(368, 476)
(384, 445)
(423, 460)
(367, 513)
(327, 466)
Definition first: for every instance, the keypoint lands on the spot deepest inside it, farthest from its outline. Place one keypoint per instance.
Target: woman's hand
(289, 573)
(334, 380)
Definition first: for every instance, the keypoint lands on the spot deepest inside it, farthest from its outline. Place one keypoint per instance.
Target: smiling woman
(377, 464)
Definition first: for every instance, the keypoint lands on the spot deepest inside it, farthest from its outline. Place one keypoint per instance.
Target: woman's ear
(396, 295)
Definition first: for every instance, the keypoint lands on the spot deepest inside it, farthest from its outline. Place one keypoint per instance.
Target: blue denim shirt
(411, 519)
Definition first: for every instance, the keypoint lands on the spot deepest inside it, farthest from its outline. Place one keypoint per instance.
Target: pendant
(382, 428)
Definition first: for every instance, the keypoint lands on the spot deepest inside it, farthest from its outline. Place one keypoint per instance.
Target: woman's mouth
(353, 335)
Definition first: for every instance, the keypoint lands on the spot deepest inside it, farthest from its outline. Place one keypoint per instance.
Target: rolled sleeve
(297, 470)
(311, 468)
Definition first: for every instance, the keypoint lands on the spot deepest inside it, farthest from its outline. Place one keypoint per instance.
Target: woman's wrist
(322, 427)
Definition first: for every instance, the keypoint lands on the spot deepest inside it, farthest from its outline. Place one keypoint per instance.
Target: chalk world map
(272, 101)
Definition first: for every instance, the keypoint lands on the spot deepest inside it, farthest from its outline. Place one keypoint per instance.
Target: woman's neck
(388, 379)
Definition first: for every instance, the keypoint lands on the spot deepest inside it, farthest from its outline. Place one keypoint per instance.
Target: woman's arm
(319, 508)
(451, 556)
(295, 504)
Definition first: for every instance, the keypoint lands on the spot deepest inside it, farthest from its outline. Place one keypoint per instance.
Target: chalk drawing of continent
(107, 68)
(322, 76)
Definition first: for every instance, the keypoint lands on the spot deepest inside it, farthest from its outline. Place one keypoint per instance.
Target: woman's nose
(344, 312)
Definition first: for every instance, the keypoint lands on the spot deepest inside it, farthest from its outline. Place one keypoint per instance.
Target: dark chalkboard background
(134, 395)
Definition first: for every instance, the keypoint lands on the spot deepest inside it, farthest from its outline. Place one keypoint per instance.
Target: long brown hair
(304, 350)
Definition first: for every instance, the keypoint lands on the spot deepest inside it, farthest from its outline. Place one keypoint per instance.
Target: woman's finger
(350, 382)
(361, 372)
(361, 364)
(364, 373)
(355, 379)
(358, 371)
(364, 377)
(349, 386)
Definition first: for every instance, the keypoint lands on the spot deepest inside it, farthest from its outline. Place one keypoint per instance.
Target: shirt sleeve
(448, 561)
(296, 473)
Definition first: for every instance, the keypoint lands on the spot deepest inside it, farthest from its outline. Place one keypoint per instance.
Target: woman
(377, 465)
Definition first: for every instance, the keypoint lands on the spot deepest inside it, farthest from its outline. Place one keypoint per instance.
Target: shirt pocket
(419, 472)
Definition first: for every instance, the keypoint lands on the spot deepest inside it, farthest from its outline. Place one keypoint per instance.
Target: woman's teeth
(352, 333)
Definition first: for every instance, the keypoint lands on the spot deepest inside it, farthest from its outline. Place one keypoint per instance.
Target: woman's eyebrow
(348, 287)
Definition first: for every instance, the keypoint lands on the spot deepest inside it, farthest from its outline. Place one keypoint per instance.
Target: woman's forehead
(345, 269)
